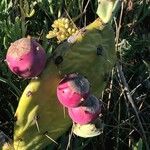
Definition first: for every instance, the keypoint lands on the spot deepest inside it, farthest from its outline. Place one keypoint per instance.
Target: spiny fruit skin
(87, 112)
(73, 89)
(26, 58)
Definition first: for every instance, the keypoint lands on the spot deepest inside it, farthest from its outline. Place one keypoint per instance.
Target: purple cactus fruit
(87, 112)
(26, 58)
(72, 90)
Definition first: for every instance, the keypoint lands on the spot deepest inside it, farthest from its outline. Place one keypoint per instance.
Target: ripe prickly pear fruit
(72, 90)
(87, 112)
(26, 58)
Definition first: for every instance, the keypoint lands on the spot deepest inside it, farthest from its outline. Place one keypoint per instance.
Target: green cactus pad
(91, 53)
(40, 117)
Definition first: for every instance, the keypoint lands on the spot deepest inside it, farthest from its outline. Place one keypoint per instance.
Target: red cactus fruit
(26, 58)
(87, 112)
(73, 89)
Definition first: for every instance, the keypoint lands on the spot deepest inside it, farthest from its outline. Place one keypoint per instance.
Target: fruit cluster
(62, 29)
(74, 93)
(26, 58)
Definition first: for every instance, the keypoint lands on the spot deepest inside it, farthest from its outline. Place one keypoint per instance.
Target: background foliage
(122, 130)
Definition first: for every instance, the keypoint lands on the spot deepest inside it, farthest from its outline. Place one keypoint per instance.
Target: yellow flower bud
(57, 33)
(66, 25)
(66, 20)
(62, 36)
(63, 19)
(55, 30)
(67, 34)
(62, 29)
(73, 30)
(50, 35)
(54, 25)
(69, 30)
(56, 22)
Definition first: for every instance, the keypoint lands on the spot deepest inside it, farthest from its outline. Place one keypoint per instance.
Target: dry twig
(124, 84)
(128, 94)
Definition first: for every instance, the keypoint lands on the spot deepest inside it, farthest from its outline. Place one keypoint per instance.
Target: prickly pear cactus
(39, 117)
(90, 52)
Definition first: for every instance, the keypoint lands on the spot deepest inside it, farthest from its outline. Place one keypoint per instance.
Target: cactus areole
(26, 58)
(72, 90)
